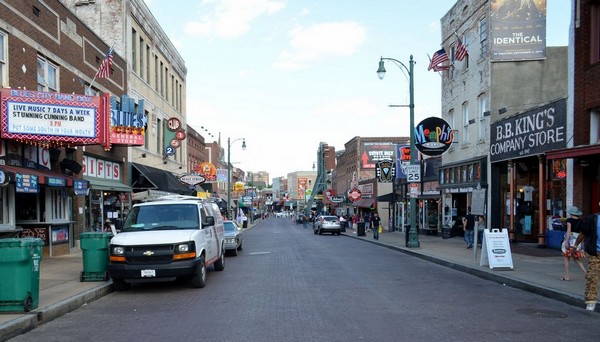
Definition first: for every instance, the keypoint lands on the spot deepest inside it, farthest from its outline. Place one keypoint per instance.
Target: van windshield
(162, 217)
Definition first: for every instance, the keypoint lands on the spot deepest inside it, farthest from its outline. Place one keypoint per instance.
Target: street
(288, 284)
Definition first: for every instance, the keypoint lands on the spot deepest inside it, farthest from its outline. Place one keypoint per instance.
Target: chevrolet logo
(148, 253)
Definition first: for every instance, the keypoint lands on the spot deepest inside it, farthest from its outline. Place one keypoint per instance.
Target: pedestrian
(590, 236)
(305, 221)
(354, 223)
(568, 246)
(367, 220)
(375, 223)
(468, 227)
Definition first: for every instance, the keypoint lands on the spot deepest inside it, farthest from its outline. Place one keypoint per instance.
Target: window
(465, 117)
(162, 82)
(47, 75)
(148, 61)
(7, 202)
(483, 34)
(595, 33)
(28, 209)
(58, 204)
(595, 127)
(3, 64)
(142, 58)
(158, 136)
(467, 43)
(133, 50)
(166, 94)
(482, 103)
(156, 84)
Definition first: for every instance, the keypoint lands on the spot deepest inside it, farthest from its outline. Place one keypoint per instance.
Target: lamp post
(229, 142)
(413, 237)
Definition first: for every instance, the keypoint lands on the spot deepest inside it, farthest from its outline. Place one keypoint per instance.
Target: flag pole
(105, 57)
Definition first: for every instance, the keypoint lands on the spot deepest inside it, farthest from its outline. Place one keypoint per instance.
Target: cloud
(231, 18)
(321, 42)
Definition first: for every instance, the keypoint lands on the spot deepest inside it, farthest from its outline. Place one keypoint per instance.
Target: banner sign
(533, 132)
(26, 183)
(127, 121)
(385, 171)
(402, 160)
(518, 30)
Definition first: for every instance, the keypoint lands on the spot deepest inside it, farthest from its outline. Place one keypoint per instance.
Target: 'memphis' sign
(531, 133)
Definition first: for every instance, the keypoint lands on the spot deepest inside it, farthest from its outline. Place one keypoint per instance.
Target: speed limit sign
(413, 173)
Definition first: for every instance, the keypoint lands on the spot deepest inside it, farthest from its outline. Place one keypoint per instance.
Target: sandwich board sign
(496, 249)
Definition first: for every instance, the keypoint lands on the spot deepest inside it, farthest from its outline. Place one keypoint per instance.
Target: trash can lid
(13, 242)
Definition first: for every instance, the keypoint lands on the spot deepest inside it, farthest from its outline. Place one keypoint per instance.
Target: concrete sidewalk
(535, 269)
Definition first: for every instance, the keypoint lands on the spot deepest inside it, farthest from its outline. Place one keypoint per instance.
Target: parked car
(234, 237)
(327, 224)
(165, 238)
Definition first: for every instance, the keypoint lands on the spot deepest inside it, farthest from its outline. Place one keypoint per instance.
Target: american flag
(439, 57)
(104, 70)
(461, 50)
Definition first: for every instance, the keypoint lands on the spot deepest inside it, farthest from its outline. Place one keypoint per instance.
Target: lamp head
(381, 70)
(244, 144)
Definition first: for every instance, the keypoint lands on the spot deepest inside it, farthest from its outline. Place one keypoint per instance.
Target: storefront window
(59, 204)
(6, 194)
(28, 208)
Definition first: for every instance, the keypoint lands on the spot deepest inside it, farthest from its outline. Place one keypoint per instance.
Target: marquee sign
(53, 119)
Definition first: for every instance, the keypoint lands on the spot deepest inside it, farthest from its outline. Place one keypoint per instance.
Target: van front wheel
(199, 279)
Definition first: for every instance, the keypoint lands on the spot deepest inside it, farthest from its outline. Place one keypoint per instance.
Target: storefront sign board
(496, 249)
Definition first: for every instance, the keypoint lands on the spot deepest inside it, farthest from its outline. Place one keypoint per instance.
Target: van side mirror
(208, 221)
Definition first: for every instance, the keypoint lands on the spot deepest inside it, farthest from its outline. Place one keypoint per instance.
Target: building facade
(156, 77)
(49, 59)
(507, 101)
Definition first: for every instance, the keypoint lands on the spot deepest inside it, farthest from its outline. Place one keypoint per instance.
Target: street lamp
(413, 237)
(229, 142)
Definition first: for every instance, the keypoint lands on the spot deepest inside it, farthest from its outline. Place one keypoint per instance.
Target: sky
(286, 75)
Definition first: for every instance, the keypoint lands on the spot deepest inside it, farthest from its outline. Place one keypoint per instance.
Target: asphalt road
(291, 285)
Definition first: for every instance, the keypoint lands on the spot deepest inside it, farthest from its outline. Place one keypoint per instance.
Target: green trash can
(20, 273)
(94, 246)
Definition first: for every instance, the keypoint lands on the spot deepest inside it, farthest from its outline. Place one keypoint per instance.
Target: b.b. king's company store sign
(531, 133)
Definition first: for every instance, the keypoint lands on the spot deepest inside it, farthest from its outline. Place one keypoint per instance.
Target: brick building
(45, 47)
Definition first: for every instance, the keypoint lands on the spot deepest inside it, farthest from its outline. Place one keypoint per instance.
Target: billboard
(518, 30)
(373, 152)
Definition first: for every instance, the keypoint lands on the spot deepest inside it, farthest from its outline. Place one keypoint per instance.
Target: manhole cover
(542, 313)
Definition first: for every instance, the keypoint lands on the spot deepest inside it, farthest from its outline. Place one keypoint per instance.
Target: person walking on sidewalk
(469, 228)
(304, 221)
(590, 235)
(375, 223)
(568, 247)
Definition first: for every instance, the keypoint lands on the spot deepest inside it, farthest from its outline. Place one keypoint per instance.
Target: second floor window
(47, 75)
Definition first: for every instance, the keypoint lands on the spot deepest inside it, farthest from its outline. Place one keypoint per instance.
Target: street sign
(413, 173)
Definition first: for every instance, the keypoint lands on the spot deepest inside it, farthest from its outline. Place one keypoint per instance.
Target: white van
(167, 238)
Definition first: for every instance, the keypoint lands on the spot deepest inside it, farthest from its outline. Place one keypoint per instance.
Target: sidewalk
(537, 270)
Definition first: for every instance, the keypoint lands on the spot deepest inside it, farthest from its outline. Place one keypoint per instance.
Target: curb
(560, 296)
(37, 317)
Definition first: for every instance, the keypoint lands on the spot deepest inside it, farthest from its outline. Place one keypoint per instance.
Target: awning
(45, 177)
(147, 177)
(108, 185)
(387, 197)
(364, 203)
(572, 152)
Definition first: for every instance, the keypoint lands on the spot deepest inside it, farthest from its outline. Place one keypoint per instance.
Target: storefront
(39, 132)
(527, 190)
(109, 199)
(456, 184)
(36, 202)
